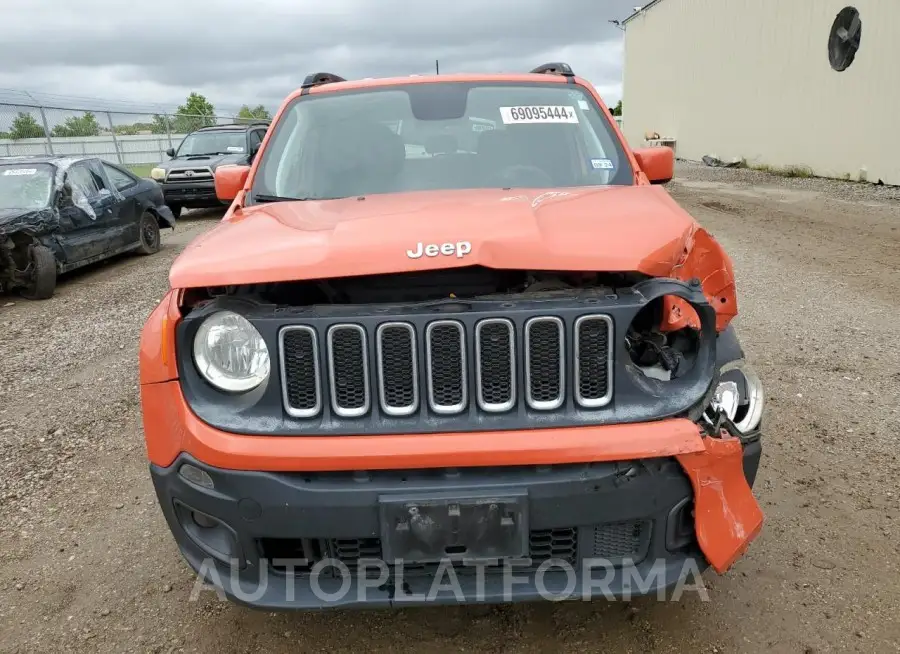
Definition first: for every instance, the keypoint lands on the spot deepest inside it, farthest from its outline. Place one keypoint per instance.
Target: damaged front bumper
(612, 511)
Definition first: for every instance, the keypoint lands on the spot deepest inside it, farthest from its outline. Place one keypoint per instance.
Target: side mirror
(171, 153)
(230, 180)
(658, 164)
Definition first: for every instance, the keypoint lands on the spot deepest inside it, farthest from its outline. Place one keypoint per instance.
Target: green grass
(141, 170)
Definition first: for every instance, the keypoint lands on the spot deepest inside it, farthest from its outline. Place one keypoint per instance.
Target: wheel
(149, 229)
(176, 210)
(43, 274)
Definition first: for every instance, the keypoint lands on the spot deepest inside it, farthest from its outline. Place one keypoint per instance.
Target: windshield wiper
(262, 197)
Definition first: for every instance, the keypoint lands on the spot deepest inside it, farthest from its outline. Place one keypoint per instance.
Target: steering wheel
(524, 175)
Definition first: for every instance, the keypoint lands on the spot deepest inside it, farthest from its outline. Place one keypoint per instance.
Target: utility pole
(437, 67)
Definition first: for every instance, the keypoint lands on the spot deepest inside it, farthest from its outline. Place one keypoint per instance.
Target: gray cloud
(237, 52)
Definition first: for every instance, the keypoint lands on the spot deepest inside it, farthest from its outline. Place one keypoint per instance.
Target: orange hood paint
(618, 228)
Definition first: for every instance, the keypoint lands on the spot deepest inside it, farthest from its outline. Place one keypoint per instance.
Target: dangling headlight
(739, 395)
(230, 353)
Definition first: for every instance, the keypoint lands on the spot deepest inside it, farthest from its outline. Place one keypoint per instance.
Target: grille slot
(495, 366)
(445, 354)
(348, 364)
(398, 381)
(544, 363)
(555, 544)
(300, 371)
(617, 540)
(593, 361)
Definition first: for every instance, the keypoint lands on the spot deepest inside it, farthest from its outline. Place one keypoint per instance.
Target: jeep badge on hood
(459, 249)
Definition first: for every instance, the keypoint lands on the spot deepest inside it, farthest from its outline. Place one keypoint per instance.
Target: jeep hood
(616, 228)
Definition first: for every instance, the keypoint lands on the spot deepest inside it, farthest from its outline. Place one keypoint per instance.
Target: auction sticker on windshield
(20, 171)
(538, 114)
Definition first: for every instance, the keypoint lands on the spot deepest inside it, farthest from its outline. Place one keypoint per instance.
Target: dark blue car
(62, 213)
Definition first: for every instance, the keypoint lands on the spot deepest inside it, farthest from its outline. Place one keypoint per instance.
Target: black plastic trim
(636, 397)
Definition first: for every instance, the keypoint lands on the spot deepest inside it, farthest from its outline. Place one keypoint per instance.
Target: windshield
(212, 143)
(25, 185)
(436, 136)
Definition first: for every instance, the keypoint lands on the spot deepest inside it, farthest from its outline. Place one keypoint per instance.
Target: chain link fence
(137, 141)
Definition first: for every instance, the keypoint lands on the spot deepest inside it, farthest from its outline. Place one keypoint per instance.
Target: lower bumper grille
(611, 542)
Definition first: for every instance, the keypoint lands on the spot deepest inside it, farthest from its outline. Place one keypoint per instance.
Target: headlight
(739, 395)
(230, 353)
(157, 173)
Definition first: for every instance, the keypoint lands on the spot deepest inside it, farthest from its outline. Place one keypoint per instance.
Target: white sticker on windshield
(584, 105)
(538, 114)
(20, 171)
(602, 164)
(235, 148)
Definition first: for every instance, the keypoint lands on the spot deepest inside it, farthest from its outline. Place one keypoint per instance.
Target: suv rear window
(437, 136)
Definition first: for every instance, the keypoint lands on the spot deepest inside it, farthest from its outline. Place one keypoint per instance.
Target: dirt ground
(88, 565)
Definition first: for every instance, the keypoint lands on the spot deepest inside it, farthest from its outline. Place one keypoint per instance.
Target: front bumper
(197, 194)
(292, 540)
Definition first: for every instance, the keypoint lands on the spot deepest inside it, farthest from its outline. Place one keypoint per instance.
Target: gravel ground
(87, 564)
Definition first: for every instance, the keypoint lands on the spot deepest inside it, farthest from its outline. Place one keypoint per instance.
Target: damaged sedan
(61, 213)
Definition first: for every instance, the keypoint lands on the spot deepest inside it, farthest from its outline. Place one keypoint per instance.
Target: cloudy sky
(246, 51)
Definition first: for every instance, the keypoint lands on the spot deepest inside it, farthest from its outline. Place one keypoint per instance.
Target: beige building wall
(752, 79)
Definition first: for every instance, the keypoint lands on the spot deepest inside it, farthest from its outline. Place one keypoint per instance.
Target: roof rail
(315, 79)
(555, 68)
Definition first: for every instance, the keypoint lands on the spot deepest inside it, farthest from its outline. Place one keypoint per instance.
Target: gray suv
(187, 178)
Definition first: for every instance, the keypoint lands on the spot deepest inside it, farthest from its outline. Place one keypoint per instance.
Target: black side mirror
(171, 152)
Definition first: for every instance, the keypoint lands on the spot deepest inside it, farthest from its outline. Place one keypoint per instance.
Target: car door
(129, 215)
(85, 215)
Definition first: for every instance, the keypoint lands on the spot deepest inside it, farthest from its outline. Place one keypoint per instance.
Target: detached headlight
(157, 174)
(230, 353)
(739, 395)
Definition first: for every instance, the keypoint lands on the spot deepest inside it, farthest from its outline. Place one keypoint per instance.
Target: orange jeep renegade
(450, 343)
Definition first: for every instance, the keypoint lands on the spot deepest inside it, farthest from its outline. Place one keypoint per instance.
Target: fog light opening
(203, 521)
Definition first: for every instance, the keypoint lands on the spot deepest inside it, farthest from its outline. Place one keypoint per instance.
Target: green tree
(259, 112)
(617, 110)
(24, 126)
(85, 125)
(196, 112)
(161, 124)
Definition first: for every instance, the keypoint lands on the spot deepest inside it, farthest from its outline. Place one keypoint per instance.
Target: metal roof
(647, 6)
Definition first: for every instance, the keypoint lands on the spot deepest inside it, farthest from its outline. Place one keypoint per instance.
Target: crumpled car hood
(616, 228)
(31, 221)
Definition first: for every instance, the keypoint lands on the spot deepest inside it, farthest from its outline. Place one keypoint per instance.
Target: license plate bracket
(439, 526)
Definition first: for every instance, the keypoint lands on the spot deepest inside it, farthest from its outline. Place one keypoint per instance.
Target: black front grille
(300, 361)
(591, 357)
(446, 363)
(349, 370)
(496, 364)
(423, 367)
(398, 381)
(544, 359)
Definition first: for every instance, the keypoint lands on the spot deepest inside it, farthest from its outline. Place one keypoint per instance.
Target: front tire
(176, 210)
(43, 275)
(149, 232)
